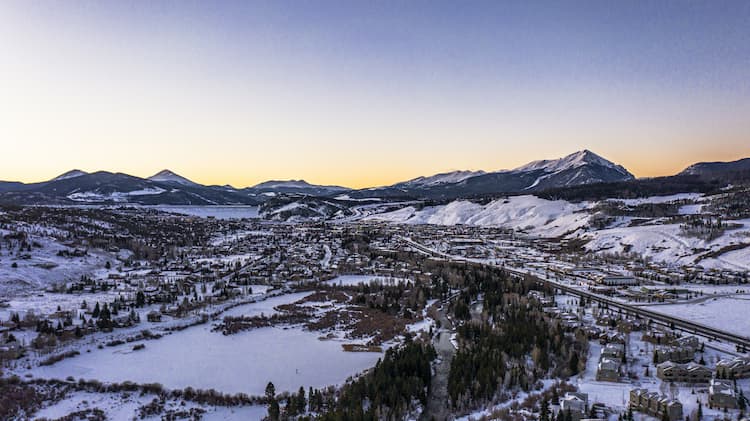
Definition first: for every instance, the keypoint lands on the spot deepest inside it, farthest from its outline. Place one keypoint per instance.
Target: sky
(367, 93)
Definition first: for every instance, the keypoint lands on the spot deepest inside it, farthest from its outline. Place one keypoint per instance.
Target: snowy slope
(438, 179)
(536, 216)
(666, 244)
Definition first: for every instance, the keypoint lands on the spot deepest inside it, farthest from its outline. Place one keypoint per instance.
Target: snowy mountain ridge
(574, 160)
(442, 178)
(69, 174)
(167, 176)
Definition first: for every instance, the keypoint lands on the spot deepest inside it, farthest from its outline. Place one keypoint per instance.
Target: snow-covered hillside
(658, 239)
(538, 217)
(668, 244)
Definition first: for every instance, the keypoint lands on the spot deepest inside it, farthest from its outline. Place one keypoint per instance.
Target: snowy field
(123, 407)
(665, 243)
(725, 313)
(218, 212)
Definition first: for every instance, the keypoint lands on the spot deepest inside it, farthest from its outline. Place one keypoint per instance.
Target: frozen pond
(244, 362)
(218, 212)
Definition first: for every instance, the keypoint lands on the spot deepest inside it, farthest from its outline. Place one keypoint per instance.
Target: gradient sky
(368, 93)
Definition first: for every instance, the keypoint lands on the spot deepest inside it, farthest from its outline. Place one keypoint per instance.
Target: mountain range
(168, 188)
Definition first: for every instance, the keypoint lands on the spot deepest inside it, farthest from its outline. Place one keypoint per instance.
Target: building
(733, 368)
(613, 351)
(616, 280)
(683, 373)
(576, 404)
(721, 394)
(655, 405)
(608, 370)
(678, 354)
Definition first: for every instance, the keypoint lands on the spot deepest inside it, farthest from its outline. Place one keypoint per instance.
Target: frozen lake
(218, 212)
(244, 362)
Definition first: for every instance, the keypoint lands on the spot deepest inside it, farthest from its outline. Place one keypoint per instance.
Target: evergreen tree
(544, 411)
(301, 401)
(96, 311)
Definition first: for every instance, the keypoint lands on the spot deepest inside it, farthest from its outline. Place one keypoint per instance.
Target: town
(140, 286)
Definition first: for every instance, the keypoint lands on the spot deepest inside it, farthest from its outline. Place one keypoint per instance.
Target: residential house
(721, 394)
(683, 373)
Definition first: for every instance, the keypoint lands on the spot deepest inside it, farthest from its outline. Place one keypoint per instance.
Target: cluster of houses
(733, 368)
(655, 404)
(680, 350)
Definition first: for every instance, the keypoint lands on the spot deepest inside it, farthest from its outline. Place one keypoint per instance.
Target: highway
(628, 309)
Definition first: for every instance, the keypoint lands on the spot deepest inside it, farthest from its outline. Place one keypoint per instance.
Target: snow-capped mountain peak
(167, 176)
(574, 160)
(69, 174)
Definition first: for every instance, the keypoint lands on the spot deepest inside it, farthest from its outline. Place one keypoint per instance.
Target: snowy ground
(726, 313)
(536, 216)
(44, 267)
(123, 407)
(665, 243)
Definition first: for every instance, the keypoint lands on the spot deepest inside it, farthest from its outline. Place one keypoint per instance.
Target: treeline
(388, 391)
(659, 186)
(511, 343)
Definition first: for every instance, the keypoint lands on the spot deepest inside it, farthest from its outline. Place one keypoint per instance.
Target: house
(10, 351)
(613, 351)
(677, 354)
(733, 368)
(655, 405)
(683, 373)
(608, 370)
(153, 316)
(721, 394)
(576, 404)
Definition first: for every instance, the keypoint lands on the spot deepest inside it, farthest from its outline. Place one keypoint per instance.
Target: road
(438, 401)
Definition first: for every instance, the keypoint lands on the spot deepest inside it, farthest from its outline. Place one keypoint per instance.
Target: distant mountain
(69, 174)
(274, 187)
(439, 179)
(167, 176)
(713, 168)
(106, 187)
(579, 168)
(302, 207)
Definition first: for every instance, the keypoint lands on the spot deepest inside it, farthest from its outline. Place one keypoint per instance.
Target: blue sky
(367, 93)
